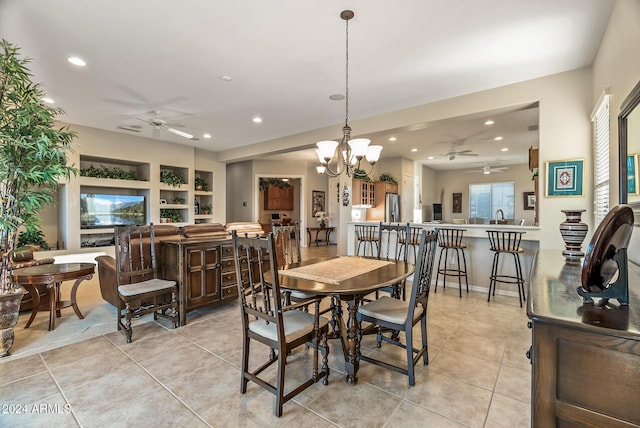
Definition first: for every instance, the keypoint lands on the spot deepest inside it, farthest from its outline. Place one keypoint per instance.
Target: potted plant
(171, 178)
(32, 237)
(33, 158)
(171, 214)
(201, 184)
(386, 177)
(205, 209)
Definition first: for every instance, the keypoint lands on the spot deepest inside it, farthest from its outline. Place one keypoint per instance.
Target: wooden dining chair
(140, 291)
(389, 314)
(390, 247)
(280, 327)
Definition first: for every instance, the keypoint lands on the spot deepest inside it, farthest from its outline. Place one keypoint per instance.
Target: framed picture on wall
(457, 203)
(632, 175)
(317, 201)
(565, 178)
(529, 200)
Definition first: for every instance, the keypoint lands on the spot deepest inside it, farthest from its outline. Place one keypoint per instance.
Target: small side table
(327, 234)
(52, 275)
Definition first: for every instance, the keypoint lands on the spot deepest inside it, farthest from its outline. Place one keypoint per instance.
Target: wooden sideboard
(205, 271)
(586, 358)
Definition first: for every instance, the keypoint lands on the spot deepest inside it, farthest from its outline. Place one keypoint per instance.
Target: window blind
(600, 119)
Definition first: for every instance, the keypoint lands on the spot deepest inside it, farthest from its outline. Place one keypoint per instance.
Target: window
(600, 119)
(486, 199)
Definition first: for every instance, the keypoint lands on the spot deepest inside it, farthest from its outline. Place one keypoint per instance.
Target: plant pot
(323, 224)
(573, 232)
(9, 312)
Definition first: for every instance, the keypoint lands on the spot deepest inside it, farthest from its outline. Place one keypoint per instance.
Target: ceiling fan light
(326, 149)
(373, 154)
(359, 147)
(180, 133)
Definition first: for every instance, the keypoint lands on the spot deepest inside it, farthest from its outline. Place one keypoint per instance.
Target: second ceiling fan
(451, 154)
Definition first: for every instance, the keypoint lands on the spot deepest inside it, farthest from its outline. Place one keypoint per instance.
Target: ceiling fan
(451, 154)
(158, 124)
(490, 170)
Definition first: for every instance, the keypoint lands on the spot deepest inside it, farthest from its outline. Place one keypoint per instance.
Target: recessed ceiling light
(257, 119)
(48, 100)
(393, 139)
(414, 150)
(76, 61)
(336, 97)
(489, 122)
(498, 138)
(430, 158)
(206, 135)
(226, 78)
(504, 149)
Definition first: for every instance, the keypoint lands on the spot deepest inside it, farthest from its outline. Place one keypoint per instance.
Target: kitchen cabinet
(278, 198)
(376, 212)
(364, 193)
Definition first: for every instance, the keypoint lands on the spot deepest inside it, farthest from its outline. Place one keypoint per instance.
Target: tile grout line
(159, 382)
(64, 396)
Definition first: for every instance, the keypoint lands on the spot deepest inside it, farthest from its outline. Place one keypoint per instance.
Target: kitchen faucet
(501, 215)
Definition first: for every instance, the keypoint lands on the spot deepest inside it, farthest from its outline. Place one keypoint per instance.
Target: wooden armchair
(137, 279)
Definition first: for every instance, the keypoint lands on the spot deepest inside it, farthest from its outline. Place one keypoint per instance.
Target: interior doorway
(279, 208)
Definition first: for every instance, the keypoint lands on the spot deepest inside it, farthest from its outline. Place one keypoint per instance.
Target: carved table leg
(352, 352)
(36, 302)
(74, 290)
(53, 304)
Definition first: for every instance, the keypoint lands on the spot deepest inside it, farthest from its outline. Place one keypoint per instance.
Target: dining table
(349, 279)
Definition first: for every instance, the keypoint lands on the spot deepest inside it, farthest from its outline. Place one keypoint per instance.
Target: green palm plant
(33, 157)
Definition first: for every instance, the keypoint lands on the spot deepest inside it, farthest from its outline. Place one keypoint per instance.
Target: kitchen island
(479, 257)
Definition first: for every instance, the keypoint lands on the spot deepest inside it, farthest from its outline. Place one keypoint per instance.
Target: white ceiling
(286, 57)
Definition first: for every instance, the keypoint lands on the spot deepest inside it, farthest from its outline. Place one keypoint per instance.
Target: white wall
(617, 66)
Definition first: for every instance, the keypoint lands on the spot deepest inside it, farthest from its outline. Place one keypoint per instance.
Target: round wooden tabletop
(48, 273)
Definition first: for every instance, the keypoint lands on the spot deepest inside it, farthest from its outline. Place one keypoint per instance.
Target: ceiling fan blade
(180, 133)
(466, 154)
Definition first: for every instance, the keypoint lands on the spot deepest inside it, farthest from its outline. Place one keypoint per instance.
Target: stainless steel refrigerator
(391, 207)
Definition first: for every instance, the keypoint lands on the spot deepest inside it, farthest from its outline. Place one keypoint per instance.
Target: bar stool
(451, 239)
(409, 237)
(506, 243)
(367, 234)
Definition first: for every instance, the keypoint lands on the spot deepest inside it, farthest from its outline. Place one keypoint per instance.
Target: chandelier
(347, 155)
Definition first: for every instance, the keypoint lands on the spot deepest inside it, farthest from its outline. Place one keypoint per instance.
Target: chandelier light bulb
(326, 149)
(373, 154)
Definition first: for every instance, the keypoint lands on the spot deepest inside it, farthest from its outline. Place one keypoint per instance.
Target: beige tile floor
(478, 375)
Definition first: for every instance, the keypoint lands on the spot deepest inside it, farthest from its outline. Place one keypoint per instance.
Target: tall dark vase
(9, 312)
(573, 232)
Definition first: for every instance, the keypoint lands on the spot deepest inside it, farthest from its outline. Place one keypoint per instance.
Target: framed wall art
(317, 200)
(529, 200)
(632, 174)
(457, 203)
(565, 178)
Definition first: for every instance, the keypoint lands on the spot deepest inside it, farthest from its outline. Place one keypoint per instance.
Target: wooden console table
(52, 276)
(327, 234)
(586, 357)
